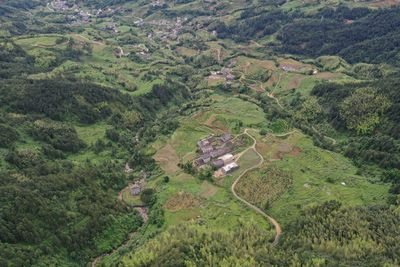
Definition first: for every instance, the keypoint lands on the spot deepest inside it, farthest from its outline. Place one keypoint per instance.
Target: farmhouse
(138, 186)
(230, 77)
(219, 152)
(135, 190)
(288, 68)
(218, 163)
(206, 149)
(199, 162)
(226, 137)
(206, 141)
(229, 168)
(227, 158)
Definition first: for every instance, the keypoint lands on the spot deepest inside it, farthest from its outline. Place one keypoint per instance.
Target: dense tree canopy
(362, 110)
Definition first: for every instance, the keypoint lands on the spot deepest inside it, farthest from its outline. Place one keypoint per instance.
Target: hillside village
(215, 151)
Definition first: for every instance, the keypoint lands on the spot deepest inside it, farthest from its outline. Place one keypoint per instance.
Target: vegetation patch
(318, 176)
(263, 186)
(182, 200)
(168, 159)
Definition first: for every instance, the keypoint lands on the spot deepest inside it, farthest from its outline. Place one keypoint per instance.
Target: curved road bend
(278, 229)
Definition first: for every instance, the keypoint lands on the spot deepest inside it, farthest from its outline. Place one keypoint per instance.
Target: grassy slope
(318, 176)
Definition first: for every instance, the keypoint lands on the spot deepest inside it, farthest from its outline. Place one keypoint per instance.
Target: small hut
(135, 190)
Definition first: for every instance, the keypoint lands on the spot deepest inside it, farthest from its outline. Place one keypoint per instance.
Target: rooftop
(229, 167)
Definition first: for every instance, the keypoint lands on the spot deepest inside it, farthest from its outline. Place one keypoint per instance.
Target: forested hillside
(326, 235)
(54, 207)
(357, 35)
(199, 133)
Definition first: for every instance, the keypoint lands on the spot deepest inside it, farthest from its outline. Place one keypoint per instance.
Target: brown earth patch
(288, 62)
(168, 159)
(258, 88)
(281, 150)
(385, 3)
(183, 177)
(186, 51)
(295, 151)
(327, 75)
(263, 149)
(273, 80)
(207, 189)
(182, 200)
(215, 124)
(265, 64)
(254, 64)
(295, 82)
(284, 148)
(291, 66)
(214, 80)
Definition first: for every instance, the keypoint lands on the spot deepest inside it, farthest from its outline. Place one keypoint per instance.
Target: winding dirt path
(91, 41)
(284, 134)
(278, 229)
(219, 55)
(327, 137)
(271, 94)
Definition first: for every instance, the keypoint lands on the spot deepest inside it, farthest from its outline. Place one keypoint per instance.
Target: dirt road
(278, 229)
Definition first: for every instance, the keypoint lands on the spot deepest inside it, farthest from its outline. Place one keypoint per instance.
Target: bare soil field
(168, 159)
(182, 200)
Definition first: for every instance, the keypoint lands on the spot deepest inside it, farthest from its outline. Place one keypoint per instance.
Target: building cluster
(288, 68)
(157, 3)
(166, 29)
(215, 151)
(225, 73)
(80, 15)
(111, 27)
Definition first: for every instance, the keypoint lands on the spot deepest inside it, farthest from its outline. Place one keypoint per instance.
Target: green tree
(166, 179)
(8, 135)
(361, 110)
(309, 110)
(88, 48)
(148, 196)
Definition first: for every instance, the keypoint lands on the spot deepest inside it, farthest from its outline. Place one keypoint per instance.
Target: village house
(135, 190)
(226, 137)
(230, 77)
(218, 163)
(111, 27)
(137, 187)
(288, 68)
(229, 168)
(203, 159)
(227, 158)
(219, 152)
(206, 149)
(199, 162)
(206, 141)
